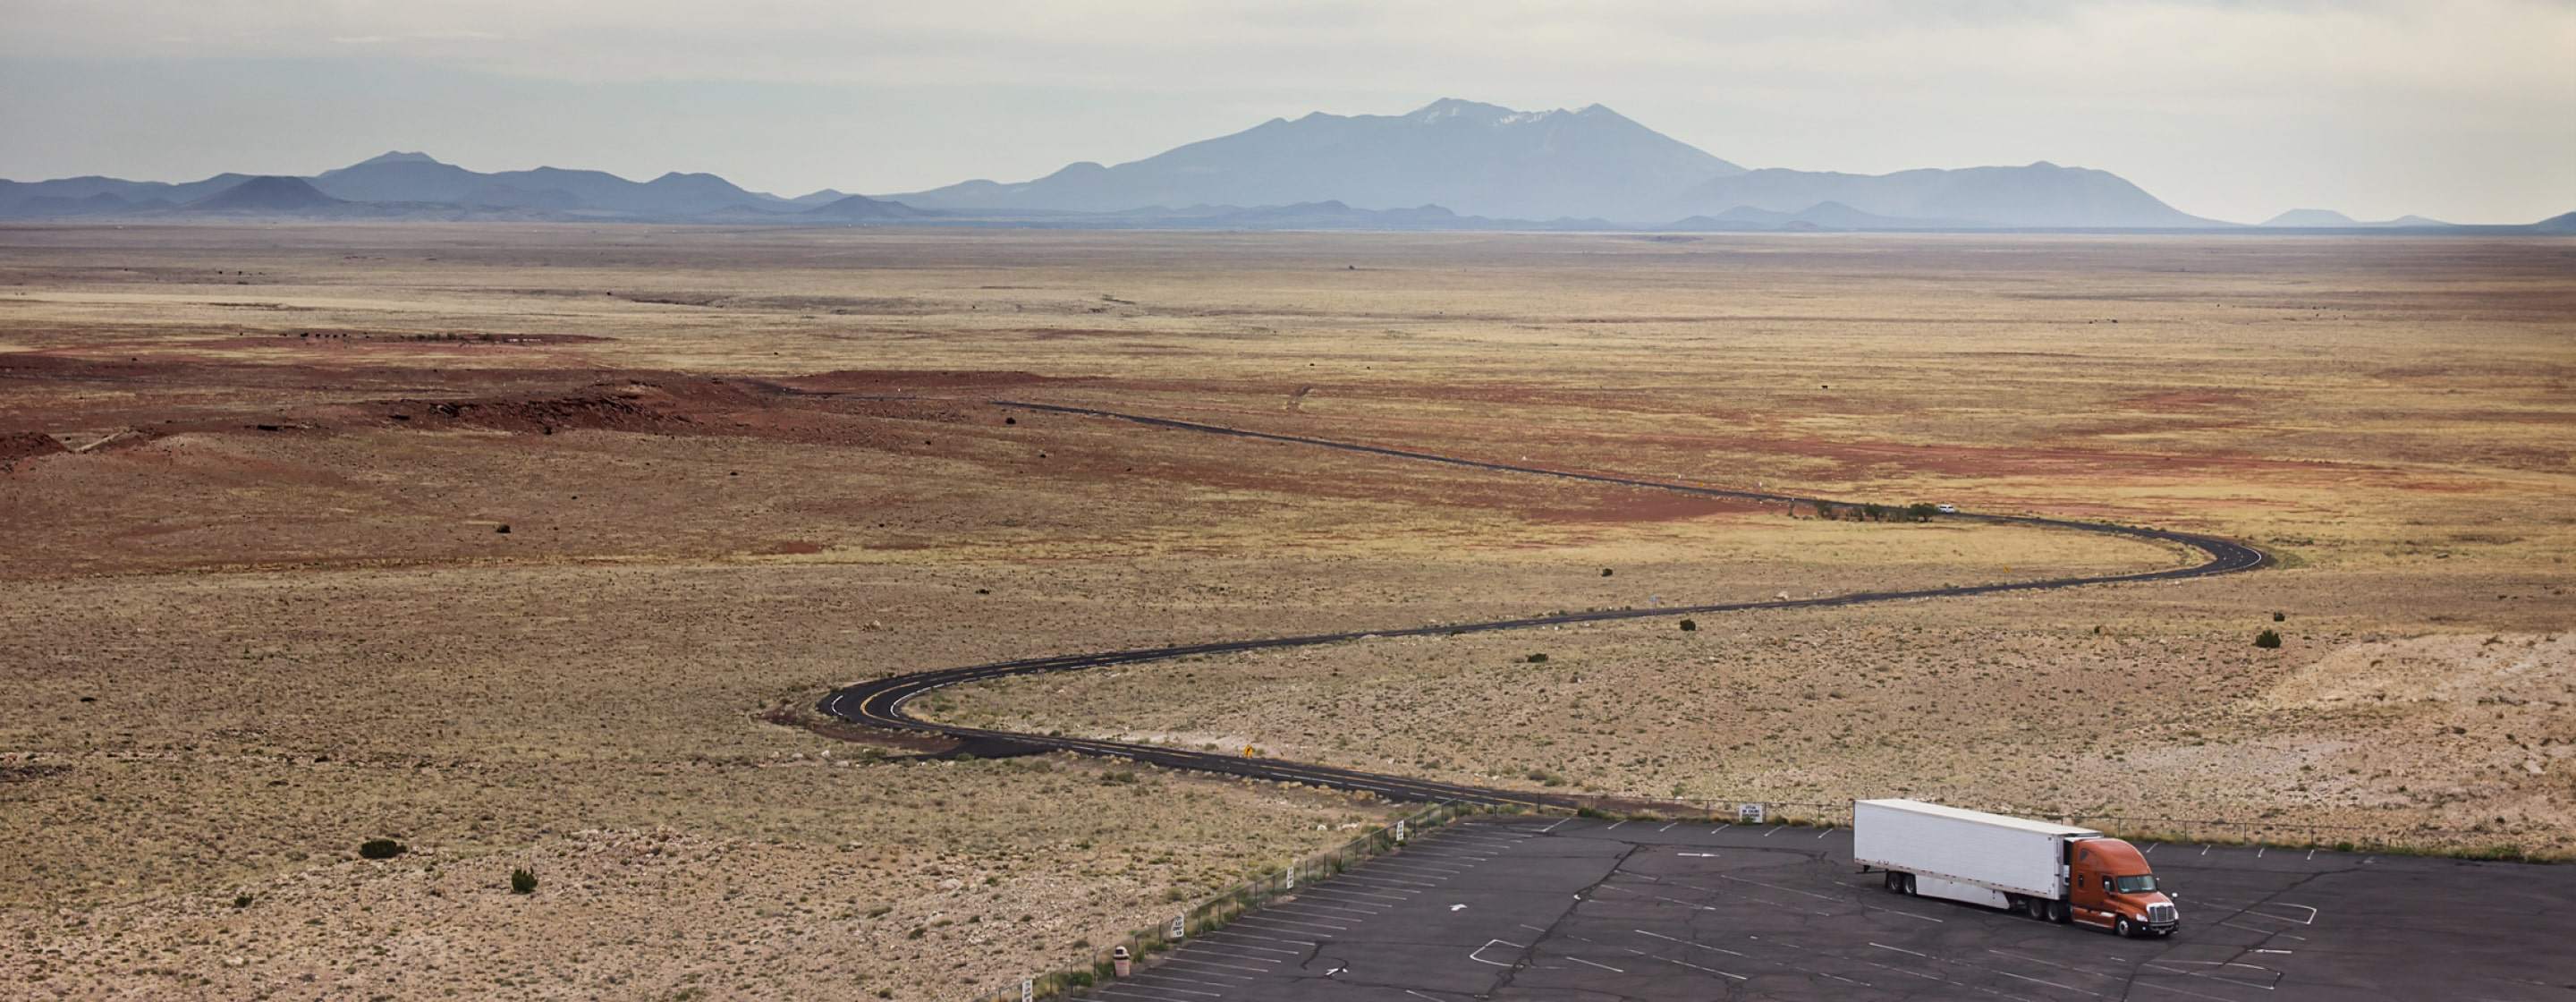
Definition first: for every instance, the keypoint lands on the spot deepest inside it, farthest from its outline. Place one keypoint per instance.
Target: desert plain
(531, 547)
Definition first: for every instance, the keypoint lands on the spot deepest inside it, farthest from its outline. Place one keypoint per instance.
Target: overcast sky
(2237, 109)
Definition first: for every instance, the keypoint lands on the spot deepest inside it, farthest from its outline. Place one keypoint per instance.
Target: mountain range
(2330, 219)
(1451, 164)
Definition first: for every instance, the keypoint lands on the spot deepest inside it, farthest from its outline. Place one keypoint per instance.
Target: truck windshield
(2142, 884)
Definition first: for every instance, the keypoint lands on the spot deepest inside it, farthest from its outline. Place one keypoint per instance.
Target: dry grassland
(267, 611)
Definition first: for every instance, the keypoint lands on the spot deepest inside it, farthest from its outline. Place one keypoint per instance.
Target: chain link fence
(1214, 912)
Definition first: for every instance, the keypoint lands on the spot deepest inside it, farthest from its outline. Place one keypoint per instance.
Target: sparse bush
(1690, 626)
(2279, 616)
(380, 848)
(1538, 659)
(1605, 572)
(241, 901)
(523, 881)
(2267, 639)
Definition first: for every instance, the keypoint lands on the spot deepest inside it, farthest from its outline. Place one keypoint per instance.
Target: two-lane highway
(881, 702)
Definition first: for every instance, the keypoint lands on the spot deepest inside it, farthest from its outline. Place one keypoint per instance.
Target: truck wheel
(2123, 928)
(2060, 913)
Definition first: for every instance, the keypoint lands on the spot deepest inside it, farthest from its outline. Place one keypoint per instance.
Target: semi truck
(2048, 871)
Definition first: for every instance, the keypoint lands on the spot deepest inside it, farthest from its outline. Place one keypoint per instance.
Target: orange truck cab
(2111, 886)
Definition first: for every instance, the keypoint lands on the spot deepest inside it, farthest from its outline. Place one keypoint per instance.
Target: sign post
(1028, 990)
(1180, 927)
(1749, 814)
(1399, 833)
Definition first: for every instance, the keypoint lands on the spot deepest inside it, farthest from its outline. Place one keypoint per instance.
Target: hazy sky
(2458, 109)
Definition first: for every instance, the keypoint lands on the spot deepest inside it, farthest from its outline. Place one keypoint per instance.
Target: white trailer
(1963, 855)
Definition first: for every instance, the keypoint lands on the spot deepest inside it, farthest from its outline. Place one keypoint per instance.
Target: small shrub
(1605, 572)
(1690, 626)
(241, 901)
(1538, 659)
(380, 848)
(523, 881)
(2267, 639)
(2280, 616)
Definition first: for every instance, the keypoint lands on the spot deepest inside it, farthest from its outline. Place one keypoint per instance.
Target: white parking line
(1372, 907)
(2178, 991)
(1990, 970)
(1439, 854)
(1659, 897)
(1211, 963)
(1341, 912)
(1688, 964)
(1265, 939)
(1606, 967)
(1268, 921)
(1160, 976)
(1409, 867)
(1665, 828)
(1685, 942)
(1336, 888)
(1371, 878)
(1774, 831)
(1489, 944)
(1615, 825)
(1141, 991)
(1559, 824)
(1214, 948)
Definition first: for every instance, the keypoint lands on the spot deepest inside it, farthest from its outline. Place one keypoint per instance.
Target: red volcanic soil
(26, 445)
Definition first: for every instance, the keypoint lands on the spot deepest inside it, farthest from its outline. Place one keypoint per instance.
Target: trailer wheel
(2037, 908)
(1909, 885)
(1895, 882)
(2123, 929)
(2060, 913)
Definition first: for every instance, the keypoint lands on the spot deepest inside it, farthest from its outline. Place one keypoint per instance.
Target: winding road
(881, 702)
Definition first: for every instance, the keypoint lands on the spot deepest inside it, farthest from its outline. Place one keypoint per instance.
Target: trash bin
(1122, 961)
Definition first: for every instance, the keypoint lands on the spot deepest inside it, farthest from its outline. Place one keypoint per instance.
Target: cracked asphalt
(1514, 907)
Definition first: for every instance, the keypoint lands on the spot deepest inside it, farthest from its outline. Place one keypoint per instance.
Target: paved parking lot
(1580, 909)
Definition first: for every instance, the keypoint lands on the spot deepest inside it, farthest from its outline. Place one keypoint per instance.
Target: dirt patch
(890, 380)
(2460, 669)
(18, 446)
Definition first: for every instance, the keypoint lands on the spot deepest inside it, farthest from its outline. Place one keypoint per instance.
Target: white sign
(1748, 814)
(1180, 926)
(1399, 831)
(1290, 881)
(1028, 990)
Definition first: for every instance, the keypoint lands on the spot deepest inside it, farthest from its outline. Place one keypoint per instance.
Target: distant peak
(397, 157)
(1450, 107)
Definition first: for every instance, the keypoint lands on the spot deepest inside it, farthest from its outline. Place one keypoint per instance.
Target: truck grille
(2160, 913)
